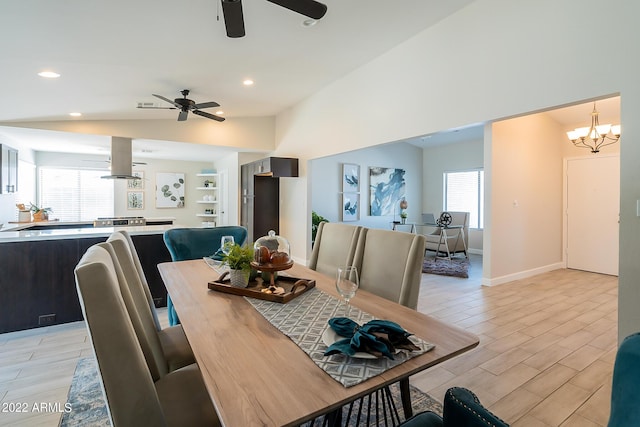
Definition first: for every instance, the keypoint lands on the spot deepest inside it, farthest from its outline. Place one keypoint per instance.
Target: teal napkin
(376, 337)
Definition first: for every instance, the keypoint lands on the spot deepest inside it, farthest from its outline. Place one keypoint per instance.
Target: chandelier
(596, 136)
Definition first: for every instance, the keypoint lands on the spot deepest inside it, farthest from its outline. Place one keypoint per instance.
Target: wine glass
(347, 283)
(226, 242)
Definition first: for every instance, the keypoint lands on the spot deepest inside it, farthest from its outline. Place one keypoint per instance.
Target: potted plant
(315, 223)
(238, 258)
(40, 214)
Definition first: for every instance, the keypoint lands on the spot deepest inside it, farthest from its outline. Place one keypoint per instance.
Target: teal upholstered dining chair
(625, 393)
(462, 408)
(195, 243)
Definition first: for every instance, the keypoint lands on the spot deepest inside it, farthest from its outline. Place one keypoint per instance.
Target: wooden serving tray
(293, 286)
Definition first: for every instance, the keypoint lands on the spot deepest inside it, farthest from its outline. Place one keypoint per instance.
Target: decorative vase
(404, 220)
(239, 278)
(24, 216)
(40, 216)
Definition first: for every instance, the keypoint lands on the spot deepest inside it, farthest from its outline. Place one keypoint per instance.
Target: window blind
(464, 192)
(75, 194)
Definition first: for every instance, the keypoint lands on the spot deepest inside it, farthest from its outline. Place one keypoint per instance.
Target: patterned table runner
(304, 320)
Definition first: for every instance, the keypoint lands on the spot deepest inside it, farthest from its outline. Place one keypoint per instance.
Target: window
(75, 194)
(464, 192)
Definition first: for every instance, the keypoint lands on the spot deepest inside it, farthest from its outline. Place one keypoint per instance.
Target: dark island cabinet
(37, 284)
(152, 251)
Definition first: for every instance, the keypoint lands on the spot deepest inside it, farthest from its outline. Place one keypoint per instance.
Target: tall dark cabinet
(260, 194)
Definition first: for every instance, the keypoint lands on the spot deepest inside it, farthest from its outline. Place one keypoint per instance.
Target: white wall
(492, 60)
(184, 216)
(251, 133)
(326, 182)
(8, 210)
(526, 207)
(450, 158)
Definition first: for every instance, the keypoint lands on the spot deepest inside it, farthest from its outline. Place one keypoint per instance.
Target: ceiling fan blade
(233, 19)
(157, 108)
(183, 115)
(310, 8)
(207, 105)
(208, 116)
(166, 100)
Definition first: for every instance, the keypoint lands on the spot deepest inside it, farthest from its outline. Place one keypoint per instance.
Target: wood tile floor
(547, 346)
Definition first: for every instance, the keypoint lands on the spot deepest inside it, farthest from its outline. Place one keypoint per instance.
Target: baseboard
(475, 251)
(521, 274)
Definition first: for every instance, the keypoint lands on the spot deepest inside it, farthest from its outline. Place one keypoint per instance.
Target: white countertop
(77, 233)
(17, 226)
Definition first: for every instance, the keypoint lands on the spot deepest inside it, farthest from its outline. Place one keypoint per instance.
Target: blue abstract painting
(350, 177)
(350, 206)
(386, 188)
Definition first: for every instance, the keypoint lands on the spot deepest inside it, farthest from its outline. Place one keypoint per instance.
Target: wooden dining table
(256, 375)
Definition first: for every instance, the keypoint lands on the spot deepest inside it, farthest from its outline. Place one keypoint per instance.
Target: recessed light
(309, 22)
(75, 114)
(49, 74)
(219, 112)
(247, 82)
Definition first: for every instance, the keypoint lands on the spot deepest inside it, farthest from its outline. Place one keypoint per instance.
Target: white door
(593, 205)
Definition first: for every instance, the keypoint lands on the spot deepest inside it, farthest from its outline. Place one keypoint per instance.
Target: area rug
(88, 407)
(457, 267)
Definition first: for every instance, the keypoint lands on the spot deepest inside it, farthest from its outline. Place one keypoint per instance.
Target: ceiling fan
(234, 21)
(185, 105)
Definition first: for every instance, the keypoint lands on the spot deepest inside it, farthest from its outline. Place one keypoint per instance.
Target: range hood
(121, 159)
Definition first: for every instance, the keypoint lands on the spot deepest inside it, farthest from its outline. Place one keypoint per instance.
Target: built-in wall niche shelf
(208, 182)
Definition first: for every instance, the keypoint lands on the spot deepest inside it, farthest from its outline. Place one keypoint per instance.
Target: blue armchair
(461, 409)
(196, 243)
(625, 393)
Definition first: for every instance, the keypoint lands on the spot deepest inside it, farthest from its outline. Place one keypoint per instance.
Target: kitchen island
(37, 285)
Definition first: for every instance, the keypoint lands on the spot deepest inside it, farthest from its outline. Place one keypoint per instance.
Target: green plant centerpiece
(238, 258)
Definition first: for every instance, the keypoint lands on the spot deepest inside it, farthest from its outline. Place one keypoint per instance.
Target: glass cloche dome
(272, 249)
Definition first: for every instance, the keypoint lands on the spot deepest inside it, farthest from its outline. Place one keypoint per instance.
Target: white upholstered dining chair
(126, 237)
(390, 265)
(175, 346)
(133, 396)
(335, 245)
